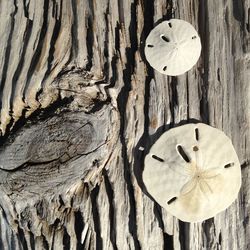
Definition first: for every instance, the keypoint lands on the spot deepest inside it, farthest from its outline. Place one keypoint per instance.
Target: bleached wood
(84, 59)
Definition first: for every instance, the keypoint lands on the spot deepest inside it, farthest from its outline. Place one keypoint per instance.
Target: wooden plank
(64, 64)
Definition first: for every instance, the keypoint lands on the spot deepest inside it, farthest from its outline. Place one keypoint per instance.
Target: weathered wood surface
(78, 100)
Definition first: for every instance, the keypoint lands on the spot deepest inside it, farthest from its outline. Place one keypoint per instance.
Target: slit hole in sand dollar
(172, 200)
(229, 165)
(182, 153)
(164, 38)
(150, 45)
(196, 134)
(157, 158)
(194, 37)
(164, 68)
(170, 25)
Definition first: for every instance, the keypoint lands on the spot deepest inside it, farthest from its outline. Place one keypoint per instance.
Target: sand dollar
(173, 47)
(193, 172)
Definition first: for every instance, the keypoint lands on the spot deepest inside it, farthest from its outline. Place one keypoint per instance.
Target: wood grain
(79, 102)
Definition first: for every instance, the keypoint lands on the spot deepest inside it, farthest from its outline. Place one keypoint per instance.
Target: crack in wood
(66, 239)
(78, 227)
(7, 53)
(38, 50)
(203, 31)
(96, 217)
(112, 220)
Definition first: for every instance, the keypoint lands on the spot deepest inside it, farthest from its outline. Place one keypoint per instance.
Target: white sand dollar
(173, 47)
(193, 172)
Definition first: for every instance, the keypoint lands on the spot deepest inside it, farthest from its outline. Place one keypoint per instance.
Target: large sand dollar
(193, 172)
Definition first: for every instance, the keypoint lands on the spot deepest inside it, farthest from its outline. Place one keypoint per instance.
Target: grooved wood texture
(79, 103)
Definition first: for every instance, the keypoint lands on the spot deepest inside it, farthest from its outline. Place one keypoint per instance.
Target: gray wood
(78, 105)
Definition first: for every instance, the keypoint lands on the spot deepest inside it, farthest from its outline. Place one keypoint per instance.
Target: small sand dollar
(173, 47)
(193, 172)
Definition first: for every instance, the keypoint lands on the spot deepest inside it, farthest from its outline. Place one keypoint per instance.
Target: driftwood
(79, 103)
